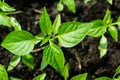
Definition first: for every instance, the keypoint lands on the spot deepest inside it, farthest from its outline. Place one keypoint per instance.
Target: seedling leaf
(113, 32)
(80, 77)
(65, 72)
(56, 24)
(4, 20)
(3, 73)
(28, 60)
(118, 70)
(98, 29)
(40, 77)
(71, 33)
(107, 17)
(110, 1)
(45, 23)
(45, 40)
(5, 7)
(15, 23)
(43, 64)
(53, 55)
(103, 78)
(60, 6)
(14, 62)
(103, 46)
(19, 42)
(70, 4)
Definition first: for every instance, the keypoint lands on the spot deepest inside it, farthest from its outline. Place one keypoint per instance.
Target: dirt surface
(82, 58)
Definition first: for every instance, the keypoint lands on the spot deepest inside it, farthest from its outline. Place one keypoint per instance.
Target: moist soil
(82, 58)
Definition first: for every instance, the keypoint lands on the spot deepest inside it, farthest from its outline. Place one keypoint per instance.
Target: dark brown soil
(86, 54)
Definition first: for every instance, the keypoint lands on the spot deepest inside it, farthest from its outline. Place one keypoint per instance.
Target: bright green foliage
(19, 42)
(28, 60)
(45, 23)
(45, 40)
(43, 64)
(103, 46)
(69, 3)
(53, 55)
(114, 33)
(56, 24)
(60, 6)
(80, 77)
(40, 77)
(98, 29)
(4, 20)
(5, 7)
(71, 33)
(65, 72)
(3, 73)
(14, 62)
(15, 23)
(110, 1)
(118, 70)
(107, 18)
(103, 78)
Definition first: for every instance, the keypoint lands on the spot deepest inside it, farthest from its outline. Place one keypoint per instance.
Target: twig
(38, 49)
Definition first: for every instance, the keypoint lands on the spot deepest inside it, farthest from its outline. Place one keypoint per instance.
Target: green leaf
(98, 29)
(103, 78)
(28, 60)
(14, 78)
(118, 21)
(40, 77)
(45, 23)
(71, 33)
(43, 64)
(60, 6)
(45, 40)
(14, 62)
(107, 17)
(5, 7)
(56, 24)
(39, 37)
(110, 1)
(53, 55)
(3, 73)
(103, 46)
(118, 70)
(4, 20)
(19, 42)
(70, 4)
(80, 77)
(65, 72)
(15, 23)
(113, 32)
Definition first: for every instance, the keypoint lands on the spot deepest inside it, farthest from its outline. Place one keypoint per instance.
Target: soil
(82, 58)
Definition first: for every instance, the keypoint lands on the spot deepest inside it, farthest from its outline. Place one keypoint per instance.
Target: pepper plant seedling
(100, 27)
(21, 43)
